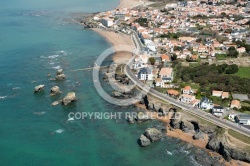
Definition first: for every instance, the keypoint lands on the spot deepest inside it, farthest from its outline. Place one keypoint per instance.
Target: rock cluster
(150, 135)
(59, 75)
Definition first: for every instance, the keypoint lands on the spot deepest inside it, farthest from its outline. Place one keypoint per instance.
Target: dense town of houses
(182, 17)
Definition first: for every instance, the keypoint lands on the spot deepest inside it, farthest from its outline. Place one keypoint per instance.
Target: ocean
(35, 40)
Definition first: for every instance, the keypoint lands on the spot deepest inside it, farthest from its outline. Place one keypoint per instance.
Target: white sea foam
(59, 131)
(56, 67)
(16, 88)
(3, 97)
(53, 56)
(169, 153)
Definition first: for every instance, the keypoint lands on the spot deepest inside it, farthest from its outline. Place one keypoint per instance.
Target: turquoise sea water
(34, 41)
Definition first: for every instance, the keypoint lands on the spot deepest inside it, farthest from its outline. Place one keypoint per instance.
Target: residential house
(206, 104)
(218, 110)
(166, 74)
(194, 102)
(172, 92)
(243, 119)
(165, 58)
(217, 93)
(235, 104)
(187, 90)
(225, 95)
(145, 73)
(159, 82)
(185, 98)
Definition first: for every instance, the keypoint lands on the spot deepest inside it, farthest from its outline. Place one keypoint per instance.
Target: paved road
(197, 112)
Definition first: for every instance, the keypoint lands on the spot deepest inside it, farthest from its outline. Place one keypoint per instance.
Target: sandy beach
(120, 42)
(131, 3)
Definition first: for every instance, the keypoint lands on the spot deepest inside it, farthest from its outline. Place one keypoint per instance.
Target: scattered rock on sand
(55, 90)
(39, 88)
(144, 141)
(70, 97)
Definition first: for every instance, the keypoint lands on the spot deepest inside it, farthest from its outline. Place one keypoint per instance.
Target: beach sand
(131, 3)
(120, 42)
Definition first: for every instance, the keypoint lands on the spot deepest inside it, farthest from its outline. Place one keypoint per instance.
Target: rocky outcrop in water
(153, 134)
(55, 91)
(144, 141)
(39, 88)
(59, 75)
(150, 135)
(70, 97)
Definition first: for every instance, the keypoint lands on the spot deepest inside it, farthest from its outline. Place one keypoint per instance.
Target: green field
(244, 72)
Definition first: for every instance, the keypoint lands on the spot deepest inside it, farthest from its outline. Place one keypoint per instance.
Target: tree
(173, 57)
(152, 60)
(232, 52)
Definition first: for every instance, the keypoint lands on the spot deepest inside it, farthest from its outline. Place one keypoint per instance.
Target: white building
(145, 74)
(218, 110)
(185, 98)
(206, 104)
(166, 74)
(243, 119)
(107, 22)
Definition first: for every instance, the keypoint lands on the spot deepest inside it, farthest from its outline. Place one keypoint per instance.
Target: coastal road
(197, 112)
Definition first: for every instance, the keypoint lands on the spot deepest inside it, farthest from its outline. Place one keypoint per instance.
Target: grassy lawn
(220, 56)
(162, 90)
(194, 64)
(193, 85)
(239, 136)
(244, 72)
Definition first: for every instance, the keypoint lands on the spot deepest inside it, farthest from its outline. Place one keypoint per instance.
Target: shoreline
(116, 39)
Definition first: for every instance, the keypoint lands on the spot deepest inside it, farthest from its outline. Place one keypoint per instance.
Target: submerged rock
(39, 88)
(55, 90)
(144, 141)
(55, 103)
(70, 97)
(153, 134)
(131, 119)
